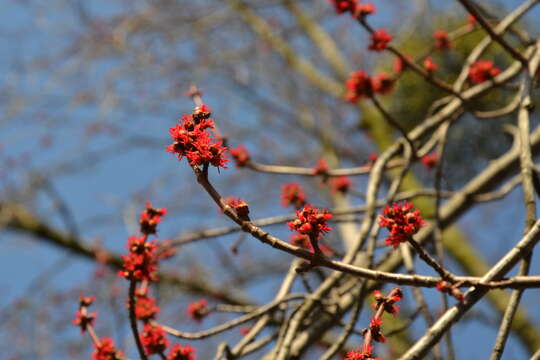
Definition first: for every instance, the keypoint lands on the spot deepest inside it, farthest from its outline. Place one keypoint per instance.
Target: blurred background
(88, 90)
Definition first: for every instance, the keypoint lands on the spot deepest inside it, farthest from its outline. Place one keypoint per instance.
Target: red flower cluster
(198, 310)
(442, 42)
(401, 221)
(240, 206)
(240, 155)
(483, 70)
(150, 217)
(446, 287)
(382, 84)
(365, 9)
(388, 302)
(379, 40)
(193, 140)
(363, 353)
(340, 184)
(181, 353)
(106, 351)
(141, 262)
(145, 308)
(361, 85)
(429, 65)
(153, 339)
(321, 168)
(311, 221)
(343, 6)
(430, 160)
(293, 194)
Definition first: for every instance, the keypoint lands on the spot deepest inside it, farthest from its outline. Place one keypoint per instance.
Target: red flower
(388, 302)
(379, 40)
(86, 300)
(401, 221)
(140, 266)
(153, 339)
(106, 351)
(430, 160)
(382, 84)
(293, 194)
(343, 6)
(363, 353)
(340, 184)
(198, 310)
(471, 20)
(181, 353)
(146, 308)
(83, 319)
(239, 205)
(150, 217)
(321, 168)
(244, 330)
(240, 155)
(429, 65)
(359, 86)
(483, 70)
(192, 140)
(363, 10)
(311, 221)
(442, 42)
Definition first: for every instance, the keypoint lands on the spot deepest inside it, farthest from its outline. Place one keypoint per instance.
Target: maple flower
(178, 352)
(192, 140)
(153, 339)
(343, 6)
(83, 319)
(379, 40)
(382, 84)
(471, 20)
(375, 328)
(401, 221)
(321, 168)
(141, 262)
(240, 206)
(359, 85)
(430, 160)
(483, 70)
(86, 300)
(442, 42)
(388, 302)
(240, 155)
(106, 351)
(293, 194)
(145, 307)
(429, 65)
(150, 217)
(311, 221)
(340, 184)
(363, 353)
(198, 310)
(366, 9)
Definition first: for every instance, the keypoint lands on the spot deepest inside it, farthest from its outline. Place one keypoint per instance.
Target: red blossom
(293, 194)
(442, 42)
(321, 168)
(343, 6)
(83, 319)
(150, 217)
(402, 222)
(240, 155)
(363, 10)
(311, 221)
(363, 353)
(359, 86)
(483, 70)
(198, 310)
(340, 184)
(191, 139)
(429, 65)
(430, 160)
(146, 308)
(153, 339)
(86, 300)
(471, 20)
(141, 266)
(379, 40)
(244, 330)
(178, 352)
(388, 302)
(106, 351)
(382, 84)
(240, 206)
